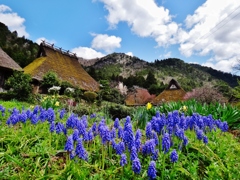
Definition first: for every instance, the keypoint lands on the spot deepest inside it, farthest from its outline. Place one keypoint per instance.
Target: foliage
(50, 79)
(56, 148)
(19, 85)
(89, 96)
(205, 94)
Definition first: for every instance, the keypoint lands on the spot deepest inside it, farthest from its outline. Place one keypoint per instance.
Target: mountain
(123, 67)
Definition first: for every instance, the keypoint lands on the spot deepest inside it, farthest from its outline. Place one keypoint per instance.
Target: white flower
(54, 88)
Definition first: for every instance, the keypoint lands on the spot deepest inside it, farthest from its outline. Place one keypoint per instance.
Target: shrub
(50, 79)
(20, 86)
(90, 96)
(205, 94)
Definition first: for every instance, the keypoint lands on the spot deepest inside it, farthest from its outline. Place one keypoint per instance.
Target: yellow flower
(45, 97)
(57, 103)
(31, 107)
(149, 106)
(184, 108)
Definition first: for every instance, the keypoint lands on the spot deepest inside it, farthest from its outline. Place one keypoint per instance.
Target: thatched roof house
(7, 66)
(138, 97)
(64, 63)
(173, 92)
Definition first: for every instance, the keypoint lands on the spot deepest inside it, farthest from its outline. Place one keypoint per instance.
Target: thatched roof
(7, 62)
(172, 93)
(64, 64)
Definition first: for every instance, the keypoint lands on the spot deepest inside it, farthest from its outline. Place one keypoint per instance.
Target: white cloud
(145, 18)
(214, 29)
(13, 21)
(106, 42)
(87, 53)
(39, 40)
(167, 55)
(129, 54)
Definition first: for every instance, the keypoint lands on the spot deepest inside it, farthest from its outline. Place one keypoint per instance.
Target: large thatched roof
(172, 93)
(64, 64)
(7, 62)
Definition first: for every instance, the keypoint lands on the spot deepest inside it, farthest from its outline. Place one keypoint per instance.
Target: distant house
(64, 63)
(173, 92)
(138, 96)
(7, 66)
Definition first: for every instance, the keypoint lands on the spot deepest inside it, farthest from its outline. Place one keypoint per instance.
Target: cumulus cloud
(214, 29)
(106, 42)
(87, 53)
(13, 21)
(129, 54)
(145, 18)
(39, 40)
(167, 55)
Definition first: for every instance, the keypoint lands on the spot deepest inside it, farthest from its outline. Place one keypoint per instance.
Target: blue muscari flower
(170, 129)
(199, 134)
(128, 136)
(113, 133)
(224, 126)
(176, 118)
(34, 119)
(84, 121)
(120, 147)
(138, 134)
(183, 122)
(191, 121)
(133, 153)
(114, 144)
(166, 143)
(174, 156)
(104, 134)
(155, 155)
(75, 134)
(52, 127)
(29, 114)
(35, 110)
(200, 123)
(136, 166)
(185, 141)
(2, 109)
(128, 121)
(59, 127)
(179, 133)
(43, 115)
(80, 150)
(101, 124)
(81, 127)
(205, 140)
(85, 136)
(116, 123)
(50, 115)
(23, 117)
(123, 160)
(152, 172)
(93, 115)
(69, 144)
(138, 144)
(90, 135)
(62, 112)
(149, 147)
(94, 129)
(155, 137)
(120, 132)
(71, 121)
(149, 130)
(72, 155)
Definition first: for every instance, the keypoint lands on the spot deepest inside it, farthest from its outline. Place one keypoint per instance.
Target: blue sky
(197, 31)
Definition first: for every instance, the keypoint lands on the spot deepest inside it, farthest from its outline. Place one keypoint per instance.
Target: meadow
(172, 141)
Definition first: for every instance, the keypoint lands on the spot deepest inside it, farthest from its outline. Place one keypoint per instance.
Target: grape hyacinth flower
(224, 126)
(120, 132)
(2, 110)
(80, 151)
(149, 130)
(205, 140)
(69, 144)
(136, 166)
(50, 115)
(199, 134)
(34, 119)
(174, 156)
(133, 153)
(123, 160)
(120, 148)
(128, 121)
(149, 147)
(152, 172)
(23, 117)
(62, 113)
(166, 143)
(52, 127)
(75, 134)
(128, 136)
(185, 141)
(155, 137)
(155, 155)
(116, 123)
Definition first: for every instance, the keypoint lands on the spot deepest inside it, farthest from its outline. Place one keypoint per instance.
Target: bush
(90, 96)
(19, 85)
(50, 79)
